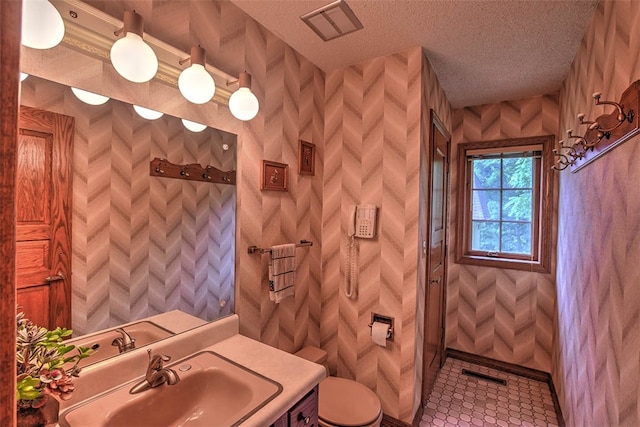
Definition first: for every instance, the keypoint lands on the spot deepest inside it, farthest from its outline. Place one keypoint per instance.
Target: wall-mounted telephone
(362, 221)
(362, 224)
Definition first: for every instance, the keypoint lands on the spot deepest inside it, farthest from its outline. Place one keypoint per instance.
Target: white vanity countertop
(176, 321)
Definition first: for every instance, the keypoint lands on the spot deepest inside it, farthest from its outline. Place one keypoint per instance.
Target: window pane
(486, 204)
(486, 173)
(485, 236)
(517, 172)
(505, 196)
(516, 237)
(516, 205)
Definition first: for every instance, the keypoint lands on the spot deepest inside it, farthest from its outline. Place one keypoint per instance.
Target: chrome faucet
(157, 374)
(125, 342)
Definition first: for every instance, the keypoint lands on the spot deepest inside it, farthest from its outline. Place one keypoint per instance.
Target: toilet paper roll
(379, 333)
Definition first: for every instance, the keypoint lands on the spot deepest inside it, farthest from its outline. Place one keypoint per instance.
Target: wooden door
(43, 217)
(437, 254)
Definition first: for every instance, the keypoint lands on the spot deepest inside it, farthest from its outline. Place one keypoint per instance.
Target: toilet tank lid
(313, 354)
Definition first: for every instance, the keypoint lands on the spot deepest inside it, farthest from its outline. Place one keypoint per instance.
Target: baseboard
(388, 421)
(511, 368)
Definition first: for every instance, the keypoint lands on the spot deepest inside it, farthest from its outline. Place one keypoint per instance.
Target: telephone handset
(362, 221)
(362, 224)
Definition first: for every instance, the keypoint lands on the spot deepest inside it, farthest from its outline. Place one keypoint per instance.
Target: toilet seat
(344, 402)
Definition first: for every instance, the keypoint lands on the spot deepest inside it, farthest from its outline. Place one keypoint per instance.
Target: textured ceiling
(482, 51)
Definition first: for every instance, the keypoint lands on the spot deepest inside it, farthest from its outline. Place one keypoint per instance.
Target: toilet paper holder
(375, 317)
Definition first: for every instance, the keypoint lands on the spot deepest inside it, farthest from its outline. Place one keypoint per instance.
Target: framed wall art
(275, 176)
(306, 158)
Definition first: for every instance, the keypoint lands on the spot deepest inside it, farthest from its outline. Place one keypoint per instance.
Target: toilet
(343, 402)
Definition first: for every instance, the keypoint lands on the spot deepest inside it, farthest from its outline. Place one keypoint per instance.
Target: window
(504, 204)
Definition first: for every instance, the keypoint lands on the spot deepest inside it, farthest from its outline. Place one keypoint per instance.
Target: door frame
(10, 24)
(435, 124)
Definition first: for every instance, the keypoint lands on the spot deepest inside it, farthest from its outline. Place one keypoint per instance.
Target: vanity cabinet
(302, 414)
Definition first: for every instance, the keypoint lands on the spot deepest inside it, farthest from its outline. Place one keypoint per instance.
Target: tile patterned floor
(461, 400)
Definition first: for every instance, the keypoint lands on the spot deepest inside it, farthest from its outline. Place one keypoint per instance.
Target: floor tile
(462, 400)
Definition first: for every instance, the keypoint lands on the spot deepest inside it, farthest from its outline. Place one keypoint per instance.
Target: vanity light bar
(92, 31)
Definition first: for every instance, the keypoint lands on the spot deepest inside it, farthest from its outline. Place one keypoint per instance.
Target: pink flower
(57, 382)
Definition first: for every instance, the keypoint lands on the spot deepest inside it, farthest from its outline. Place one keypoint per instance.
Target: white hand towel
(282, 271)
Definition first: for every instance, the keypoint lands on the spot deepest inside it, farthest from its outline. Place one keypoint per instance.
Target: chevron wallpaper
(502, 314)
(596, 368)
(369, 124)
(374, 136)
(143, 245)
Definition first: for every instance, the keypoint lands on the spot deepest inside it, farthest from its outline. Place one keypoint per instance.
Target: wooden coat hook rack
(602, 134)
(192, 172)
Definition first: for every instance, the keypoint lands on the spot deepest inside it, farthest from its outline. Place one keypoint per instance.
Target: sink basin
(213, 391)
(144, 333)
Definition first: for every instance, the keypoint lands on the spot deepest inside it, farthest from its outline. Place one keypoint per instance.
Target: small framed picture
(275, 176)
(306, 158)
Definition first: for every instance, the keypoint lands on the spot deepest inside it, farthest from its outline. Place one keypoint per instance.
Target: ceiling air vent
(333, 20)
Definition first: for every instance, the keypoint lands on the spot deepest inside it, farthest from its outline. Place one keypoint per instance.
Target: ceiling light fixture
(89, 97)
(243, 103)
(147, 113)
(195, 83)
(193, 126)
(333, 20)
(42, 24)
(132, 58)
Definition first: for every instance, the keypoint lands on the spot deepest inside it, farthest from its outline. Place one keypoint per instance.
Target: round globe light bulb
(23, 76)
(42, 24)
(147, 113)
(134, 59)
(89, 97)
(243, 104)
(196, 84)
(193, 126)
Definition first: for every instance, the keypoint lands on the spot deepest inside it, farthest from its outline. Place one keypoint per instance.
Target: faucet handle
(156, 361)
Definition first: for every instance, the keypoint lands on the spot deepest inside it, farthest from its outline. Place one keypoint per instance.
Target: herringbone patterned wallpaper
(596, 366)
(502, 314)
(291, 94)
(373, 129)
(143, 245)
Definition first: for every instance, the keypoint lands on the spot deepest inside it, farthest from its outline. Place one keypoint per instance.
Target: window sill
(512, 264)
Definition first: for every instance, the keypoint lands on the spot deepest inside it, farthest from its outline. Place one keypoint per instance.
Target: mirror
(143, 245)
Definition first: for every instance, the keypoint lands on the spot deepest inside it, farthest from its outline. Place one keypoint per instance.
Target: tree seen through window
(502, 205)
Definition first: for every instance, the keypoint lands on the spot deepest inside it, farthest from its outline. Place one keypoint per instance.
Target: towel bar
(255, 249)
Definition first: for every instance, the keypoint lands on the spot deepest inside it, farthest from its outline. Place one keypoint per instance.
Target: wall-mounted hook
(621, 115)
(583, 121)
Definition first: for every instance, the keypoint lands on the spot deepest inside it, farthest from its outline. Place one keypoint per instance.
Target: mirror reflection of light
(23, 76)
(147, 113)
(42, 25)
(193, 126)
(89, 97)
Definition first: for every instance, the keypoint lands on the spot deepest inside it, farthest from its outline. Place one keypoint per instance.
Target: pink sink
(213, 391)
